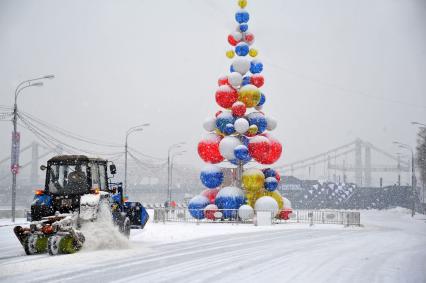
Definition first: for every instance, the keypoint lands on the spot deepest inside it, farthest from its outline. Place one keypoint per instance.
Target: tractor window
(94, 170)
(68, 179)
(102, 177)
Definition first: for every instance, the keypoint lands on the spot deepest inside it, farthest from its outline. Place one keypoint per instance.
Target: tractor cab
(68, 177)
(75, 175)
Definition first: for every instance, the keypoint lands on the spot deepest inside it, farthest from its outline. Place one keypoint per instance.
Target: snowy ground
(391, 247)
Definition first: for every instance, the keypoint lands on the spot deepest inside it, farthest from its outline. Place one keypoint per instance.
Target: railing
(347, 218)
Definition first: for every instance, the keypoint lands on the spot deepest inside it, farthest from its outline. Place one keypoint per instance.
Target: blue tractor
(76, 189)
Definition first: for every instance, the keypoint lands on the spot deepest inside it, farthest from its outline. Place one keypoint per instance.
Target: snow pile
(102, 233)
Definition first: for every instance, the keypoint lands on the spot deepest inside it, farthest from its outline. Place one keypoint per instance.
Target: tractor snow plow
(77, 190)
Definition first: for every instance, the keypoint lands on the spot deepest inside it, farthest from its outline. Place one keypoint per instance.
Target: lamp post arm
(18, 92)
(31, 80)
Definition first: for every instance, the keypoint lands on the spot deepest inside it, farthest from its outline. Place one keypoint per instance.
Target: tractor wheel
(30, 245)
(125, 227)
(53, 245)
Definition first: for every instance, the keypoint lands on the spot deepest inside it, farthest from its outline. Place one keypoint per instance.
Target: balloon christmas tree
(239, 134)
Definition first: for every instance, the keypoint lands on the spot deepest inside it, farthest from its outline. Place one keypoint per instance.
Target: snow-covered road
(391, 247)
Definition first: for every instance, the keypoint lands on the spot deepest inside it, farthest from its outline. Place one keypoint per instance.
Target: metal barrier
(347, 218)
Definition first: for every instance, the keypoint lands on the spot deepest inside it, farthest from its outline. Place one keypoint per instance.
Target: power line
(67, 133)
(47, 137)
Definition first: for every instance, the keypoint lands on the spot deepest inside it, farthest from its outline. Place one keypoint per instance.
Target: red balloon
(257, 80)
(210, 194)
(208, 148)
(249, 37)
(278, 177)
(218, 113)
(209, 213)
(238, 109)
(259, 148)
(226, 96)
(285, 214)
(232, 40)
(223, 80)
(274, 152)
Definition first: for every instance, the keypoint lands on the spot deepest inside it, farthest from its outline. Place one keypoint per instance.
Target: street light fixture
(173, 146)
(137, 128)
(16, 136)
(180, 153)
(413, 176)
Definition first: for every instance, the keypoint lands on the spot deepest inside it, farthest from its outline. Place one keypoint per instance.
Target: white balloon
(227, 146)
(230, 192)
(209, 124)
(211, 207)
(241, 125)
(241, 65)
(235, 79)
(266, 203)
(237, 35)
(271, 123)
(245, 212)
(286, 203)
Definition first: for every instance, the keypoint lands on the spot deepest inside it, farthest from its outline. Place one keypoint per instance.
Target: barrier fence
(346, 218)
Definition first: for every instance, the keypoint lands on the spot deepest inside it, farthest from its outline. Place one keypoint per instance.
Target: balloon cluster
(239, 133)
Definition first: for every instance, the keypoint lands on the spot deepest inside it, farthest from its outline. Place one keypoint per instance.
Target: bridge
(38, 152)
(352, 158)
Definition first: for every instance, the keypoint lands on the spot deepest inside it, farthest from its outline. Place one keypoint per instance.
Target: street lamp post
(173, 146)
(16, 136)
(413, 174)
(171, 174)
(138, 128)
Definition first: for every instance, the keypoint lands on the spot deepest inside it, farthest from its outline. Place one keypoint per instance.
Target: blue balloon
(242, 16)
(242, 49)
(241, 152)
(246, 81)
(231, 69)
(229, 205)
(269, 172)
(258, 119)
(271, 184)
(243, 27)
(229, 199)
(224, 119)
(262, 100)
(245, 140)
(229, 129)
(256, 67)
(211, 176)
(196, 206)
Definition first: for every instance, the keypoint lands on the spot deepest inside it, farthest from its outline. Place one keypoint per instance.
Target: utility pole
(173, 146)
(16, 136)
(138, 128)
(413, 175)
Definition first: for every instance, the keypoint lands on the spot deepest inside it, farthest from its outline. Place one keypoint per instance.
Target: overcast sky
(334, 70)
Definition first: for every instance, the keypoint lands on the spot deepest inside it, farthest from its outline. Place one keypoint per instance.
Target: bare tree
(421, 153)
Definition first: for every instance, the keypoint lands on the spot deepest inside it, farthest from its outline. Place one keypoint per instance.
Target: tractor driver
(77, 177)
